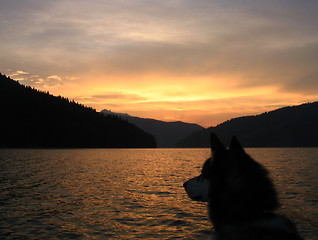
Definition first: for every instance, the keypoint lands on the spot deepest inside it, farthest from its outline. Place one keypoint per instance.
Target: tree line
(31, 118)
(292, 126)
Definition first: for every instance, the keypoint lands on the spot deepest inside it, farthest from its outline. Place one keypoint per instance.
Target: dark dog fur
(240, 195)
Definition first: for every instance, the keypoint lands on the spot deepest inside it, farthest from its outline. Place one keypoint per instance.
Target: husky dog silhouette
(240, 195)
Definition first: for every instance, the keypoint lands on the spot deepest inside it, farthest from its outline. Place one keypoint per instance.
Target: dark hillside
(32, 118)
(167, 134)
(295, 126)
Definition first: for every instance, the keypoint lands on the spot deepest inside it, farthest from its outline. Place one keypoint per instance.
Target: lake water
(133, 193)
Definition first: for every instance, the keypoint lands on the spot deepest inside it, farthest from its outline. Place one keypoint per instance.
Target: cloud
(118, 96)
(180, 38)
(19, 72)
(38, 81)
(55, 77)
(168, 49)
(111, 99)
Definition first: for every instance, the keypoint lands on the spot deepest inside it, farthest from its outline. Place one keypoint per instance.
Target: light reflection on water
(132, 193)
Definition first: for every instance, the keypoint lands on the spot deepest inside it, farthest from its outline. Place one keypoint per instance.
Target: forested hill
(32, 118)
(167, 134)
(295, 126)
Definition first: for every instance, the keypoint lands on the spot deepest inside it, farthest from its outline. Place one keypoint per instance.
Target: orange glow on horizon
(146, 59)
(171, 99)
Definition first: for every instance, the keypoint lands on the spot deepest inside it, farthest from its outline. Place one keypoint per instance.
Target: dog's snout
(185, 184)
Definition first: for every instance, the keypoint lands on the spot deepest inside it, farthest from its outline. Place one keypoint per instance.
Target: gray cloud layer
(264, 42)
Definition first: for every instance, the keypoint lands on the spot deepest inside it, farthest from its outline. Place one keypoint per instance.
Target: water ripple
(132, 193)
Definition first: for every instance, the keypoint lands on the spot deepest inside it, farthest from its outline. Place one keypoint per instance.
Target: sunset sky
(201, 61)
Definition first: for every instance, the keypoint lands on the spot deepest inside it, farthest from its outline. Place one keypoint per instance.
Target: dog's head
(198, 188)
(232, 183)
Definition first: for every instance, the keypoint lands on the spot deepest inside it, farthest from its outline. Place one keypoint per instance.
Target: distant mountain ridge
(167, 134)
(294, 126)
(34, 119)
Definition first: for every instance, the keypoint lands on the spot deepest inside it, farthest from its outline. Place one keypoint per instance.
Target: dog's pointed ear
(216, 145)
(236, 146)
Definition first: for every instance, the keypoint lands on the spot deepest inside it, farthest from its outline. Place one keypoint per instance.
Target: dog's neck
(273, 222)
